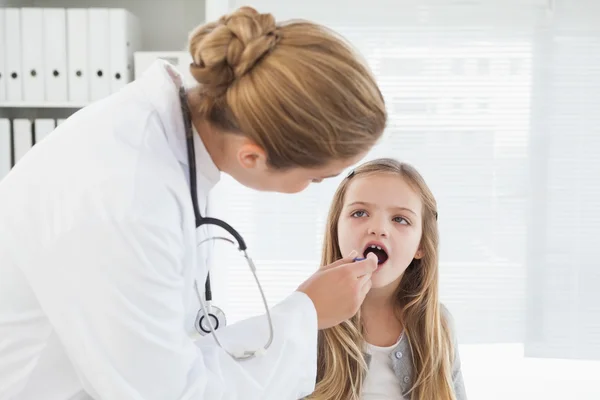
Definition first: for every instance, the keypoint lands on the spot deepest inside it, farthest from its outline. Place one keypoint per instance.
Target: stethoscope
(211, 318)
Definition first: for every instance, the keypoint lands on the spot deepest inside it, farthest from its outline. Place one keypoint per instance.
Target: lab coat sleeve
(113, 291)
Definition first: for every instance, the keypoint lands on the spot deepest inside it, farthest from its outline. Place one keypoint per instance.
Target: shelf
(41, 104)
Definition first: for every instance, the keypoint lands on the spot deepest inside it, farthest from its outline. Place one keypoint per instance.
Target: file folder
(42, 128)
(125, 40)
(3, 75)
(77, 55)
(99, 52)
(55, 54)
(12, 34)
(5, 147)
(32, 54)
(22, 138)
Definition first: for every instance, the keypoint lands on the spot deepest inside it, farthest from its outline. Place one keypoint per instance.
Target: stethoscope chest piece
(215, 317)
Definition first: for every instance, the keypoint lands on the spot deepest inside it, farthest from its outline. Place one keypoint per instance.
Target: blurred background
(496, 102)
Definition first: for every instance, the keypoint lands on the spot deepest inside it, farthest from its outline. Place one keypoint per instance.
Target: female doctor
(99, 259)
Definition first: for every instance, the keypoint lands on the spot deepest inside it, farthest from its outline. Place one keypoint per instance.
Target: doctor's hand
(337, 290)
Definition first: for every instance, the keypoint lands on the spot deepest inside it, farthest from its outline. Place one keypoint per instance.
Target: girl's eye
(358, 214)
(401, 220)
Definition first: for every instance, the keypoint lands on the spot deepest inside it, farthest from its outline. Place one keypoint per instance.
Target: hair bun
(226, 50)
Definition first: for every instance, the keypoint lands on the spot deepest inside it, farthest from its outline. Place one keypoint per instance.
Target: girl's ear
(419, 254)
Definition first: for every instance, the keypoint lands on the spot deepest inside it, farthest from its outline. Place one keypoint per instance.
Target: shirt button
(406, 379)
(398, 355)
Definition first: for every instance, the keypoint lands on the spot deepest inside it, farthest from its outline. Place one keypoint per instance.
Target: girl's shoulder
(446, 315)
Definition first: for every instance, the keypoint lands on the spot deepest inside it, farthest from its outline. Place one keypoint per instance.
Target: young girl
(400, 345)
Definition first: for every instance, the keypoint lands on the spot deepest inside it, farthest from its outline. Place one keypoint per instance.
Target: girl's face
(382, 214)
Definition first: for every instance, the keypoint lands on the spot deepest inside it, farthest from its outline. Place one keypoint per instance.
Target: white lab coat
(97, 262)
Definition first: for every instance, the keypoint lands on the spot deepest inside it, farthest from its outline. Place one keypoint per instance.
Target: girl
(400, 344)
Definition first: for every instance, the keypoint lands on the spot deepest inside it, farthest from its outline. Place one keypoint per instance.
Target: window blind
(458, 97)
(497, 111)
(563, 308)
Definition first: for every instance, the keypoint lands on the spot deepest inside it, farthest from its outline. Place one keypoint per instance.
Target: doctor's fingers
(346, 260)
(360, 288)
(361, 268)
(364, 287)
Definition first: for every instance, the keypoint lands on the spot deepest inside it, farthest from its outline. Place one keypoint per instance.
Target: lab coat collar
(161, 83)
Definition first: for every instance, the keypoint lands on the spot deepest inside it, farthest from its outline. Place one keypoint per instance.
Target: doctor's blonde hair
(296, 89)
(341, 363)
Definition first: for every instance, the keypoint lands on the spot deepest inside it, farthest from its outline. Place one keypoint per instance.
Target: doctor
(98, 240)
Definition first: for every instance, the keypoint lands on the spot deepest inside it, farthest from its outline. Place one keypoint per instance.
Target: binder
(12, 34)
(77, 51)
(5, 147)
(124, 40)
(32, 54)
(55, 54)
(3, 75)
(99, 53)
(42, 128)
(22, 136)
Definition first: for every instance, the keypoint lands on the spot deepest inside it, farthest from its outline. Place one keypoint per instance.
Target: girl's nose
(378, 229)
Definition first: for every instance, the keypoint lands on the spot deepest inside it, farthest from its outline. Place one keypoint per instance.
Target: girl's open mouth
(379, 251)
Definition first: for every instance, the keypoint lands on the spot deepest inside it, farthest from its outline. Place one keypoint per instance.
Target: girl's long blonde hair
(341, 363)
